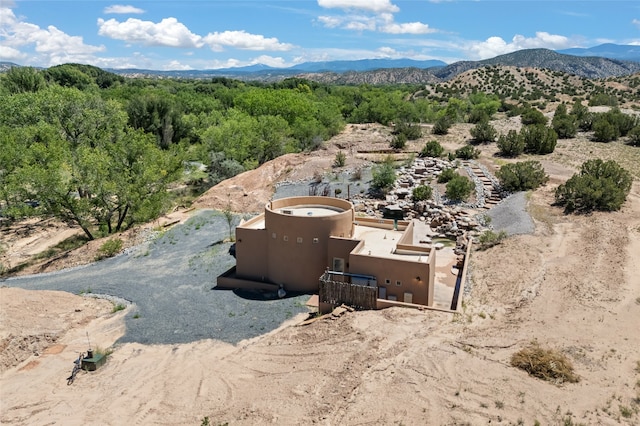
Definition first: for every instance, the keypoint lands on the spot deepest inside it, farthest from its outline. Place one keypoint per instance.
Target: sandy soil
(573, 285)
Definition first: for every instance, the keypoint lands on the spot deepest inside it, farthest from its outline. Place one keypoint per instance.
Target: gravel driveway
(170, 281)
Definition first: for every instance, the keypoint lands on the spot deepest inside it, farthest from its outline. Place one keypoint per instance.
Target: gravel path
(170, 281)
(511, 215)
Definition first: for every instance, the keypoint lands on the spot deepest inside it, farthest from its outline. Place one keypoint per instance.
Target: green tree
(23, 79)
(446, 175)
(565, 125)
(399, 141)
(467, 152)
(483, 132)
(432, 149)
(459, 188)
(603, 131)
(522, 176)
(539, 139)
(511, 144)
(634, 136)
(532, 116)
(442, 125)
(600, 185)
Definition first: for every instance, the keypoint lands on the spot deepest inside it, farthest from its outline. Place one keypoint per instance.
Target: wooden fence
(357, 296)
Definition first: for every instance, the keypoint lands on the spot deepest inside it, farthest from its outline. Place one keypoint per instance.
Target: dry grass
(545, 364)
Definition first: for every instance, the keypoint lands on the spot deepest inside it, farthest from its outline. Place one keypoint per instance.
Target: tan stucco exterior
(298, 239)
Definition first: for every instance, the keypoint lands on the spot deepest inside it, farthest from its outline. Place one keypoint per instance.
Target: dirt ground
(573, 285)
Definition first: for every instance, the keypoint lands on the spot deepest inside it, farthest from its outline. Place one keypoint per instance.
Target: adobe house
(318, 245)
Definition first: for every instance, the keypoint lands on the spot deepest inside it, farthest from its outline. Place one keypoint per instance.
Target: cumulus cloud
(122, 9)
(636, 22)
(370, 16)
(52, 45)
(494, 46)
(245, 41)
(376, 6)
(168, 32)
(10, 54)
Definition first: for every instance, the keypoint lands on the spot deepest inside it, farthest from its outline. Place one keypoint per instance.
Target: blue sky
(209, 34)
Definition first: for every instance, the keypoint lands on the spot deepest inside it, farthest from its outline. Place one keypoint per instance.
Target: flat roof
(309, 210)
(382, 243)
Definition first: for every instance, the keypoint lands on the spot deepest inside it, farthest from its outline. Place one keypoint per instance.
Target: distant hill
(607, 50)
(366, 65)
(589, 67)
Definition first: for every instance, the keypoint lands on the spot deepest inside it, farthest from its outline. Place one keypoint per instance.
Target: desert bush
(539, 139)
(489, 239)
(564, 124)
(603, 99)
(446, 175)
(384, 175)
(545, 364)
(603, 131)
(511, 144)
(467, 152)
(399, 141)
(442, 125)
(459, 188)
(600, 185)
(340, 160)
(422, 192)
(409, 130)
(522, 176)
(483, 132)
(533, 116)
(634, 136)
(109, 248)
(432, 149)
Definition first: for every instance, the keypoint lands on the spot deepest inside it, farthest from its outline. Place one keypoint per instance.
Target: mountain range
(605, 60)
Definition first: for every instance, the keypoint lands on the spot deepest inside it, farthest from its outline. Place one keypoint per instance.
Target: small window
(316, 241)
(387, 281)
(338, 264)
(286, 238)
(398, 283)
(299, 240)
(274, 236)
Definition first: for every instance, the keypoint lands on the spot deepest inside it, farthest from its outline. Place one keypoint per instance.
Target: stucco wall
(251, 253)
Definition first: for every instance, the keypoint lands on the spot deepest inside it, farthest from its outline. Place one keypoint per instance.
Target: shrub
(384, 175)
(467, 152)
(422, 192)
(489, 239)
(603, 99)
(340, 160)
(483, 132)
(410, 131)
(539, 139)
(600, 185)
(447, 175)
(432, 149)
(634, 136)
(459, 188)
(603, 131)
(522, 176)
(109, 248)
(399, 141)
(442, 125)
(511, 144)
(545, 364)
(533, 116)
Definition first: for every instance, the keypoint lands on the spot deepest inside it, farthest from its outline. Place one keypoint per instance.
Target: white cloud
(494, 46)
(330, 21)
(243, 40)
(176, 66)
(10, 54)
(376, 6)
(51, 45)
(168, 32)
(407, 28)
(636, 22)
(122, 9)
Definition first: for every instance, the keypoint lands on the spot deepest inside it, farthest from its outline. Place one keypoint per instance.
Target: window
(398, 283)
(285, 238)
(299, 240)
(338, 264)
(316, 241)
(273, 235)
(387, 281)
